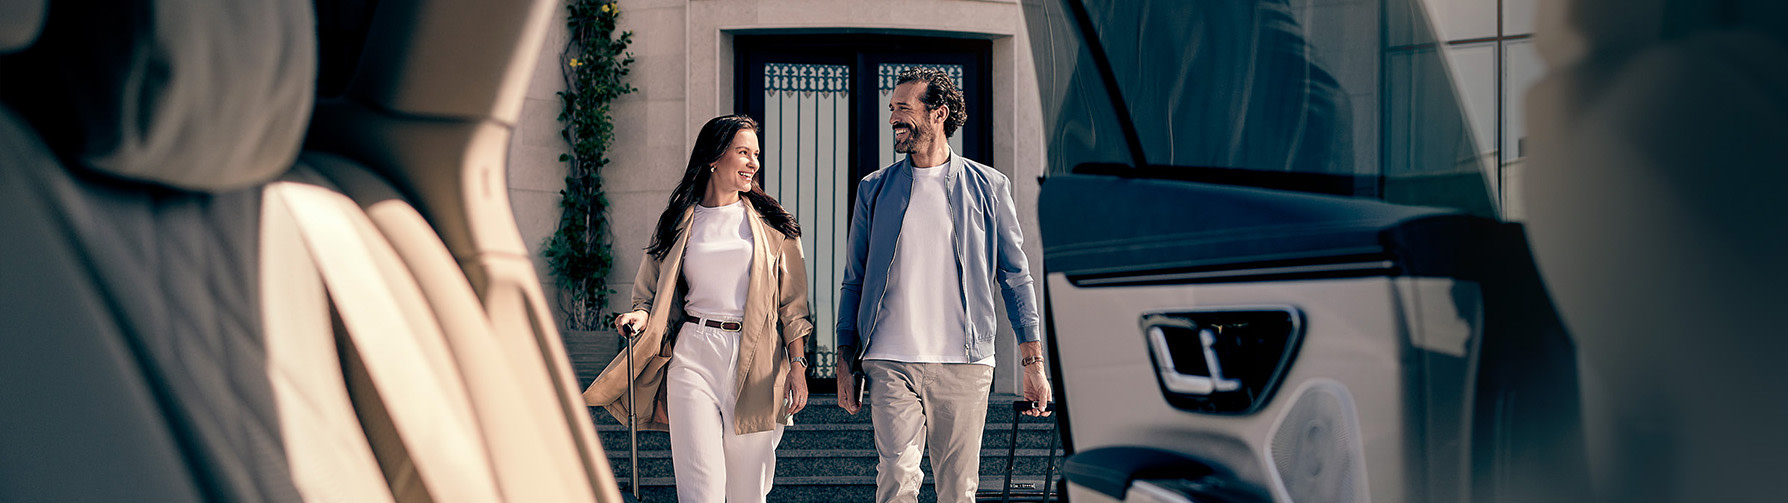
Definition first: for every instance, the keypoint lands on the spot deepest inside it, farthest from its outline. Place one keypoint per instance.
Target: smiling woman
(734, 172)
(720, 309)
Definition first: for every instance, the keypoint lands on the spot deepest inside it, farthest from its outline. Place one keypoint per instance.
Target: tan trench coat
(775, 314)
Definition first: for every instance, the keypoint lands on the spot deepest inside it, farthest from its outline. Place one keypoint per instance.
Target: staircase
(827, 456)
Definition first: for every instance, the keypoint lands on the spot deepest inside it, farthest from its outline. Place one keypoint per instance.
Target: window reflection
(1409, 101)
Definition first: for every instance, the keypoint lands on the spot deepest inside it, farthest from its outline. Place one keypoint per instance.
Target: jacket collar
(759, 234)
(954, 166)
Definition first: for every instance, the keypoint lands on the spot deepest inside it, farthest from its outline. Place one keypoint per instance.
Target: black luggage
(1026, 492)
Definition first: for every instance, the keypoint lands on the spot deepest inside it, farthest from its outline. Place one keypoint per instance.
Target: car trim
(1347, 268)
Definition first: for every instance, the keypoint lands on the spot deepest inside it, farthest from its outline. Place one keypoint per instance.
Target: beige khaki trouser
(913, 405)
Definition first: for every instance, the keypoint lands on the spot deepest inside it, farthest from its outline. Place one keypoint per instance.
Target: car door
(1273, 268)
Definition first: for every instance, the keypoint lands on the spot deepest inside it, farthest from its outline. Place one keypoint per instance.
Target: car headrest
(195, 94)
(1571, 30)
(20, 20)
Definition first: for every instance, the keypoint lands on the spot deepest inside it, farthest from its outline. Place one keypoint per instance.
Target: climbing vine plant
(594, 62)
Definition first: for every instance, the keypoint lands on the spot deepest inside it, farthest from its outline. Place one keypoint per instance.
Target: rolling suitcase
(627, 334)
(1006, 493)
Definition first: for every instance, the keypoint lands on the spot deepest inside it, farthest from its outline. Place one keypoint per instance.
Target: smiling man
(932, 236)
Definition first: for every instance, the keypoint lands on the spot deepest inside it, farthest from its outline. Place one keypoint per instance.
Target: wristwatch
(799, 359)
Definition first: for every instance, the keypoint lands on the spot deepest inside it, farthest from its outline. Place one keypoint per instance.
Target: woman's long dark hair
(710, 144)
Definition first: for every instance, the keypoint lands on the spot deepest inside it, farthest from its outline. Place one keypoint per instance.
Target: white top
(717, 261)
(922, 318)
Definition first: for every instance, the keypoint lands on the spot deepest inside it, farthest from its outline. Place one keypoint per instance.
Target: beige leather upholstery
(448, 153)
(178, 326)
(399, 343)
(511, 397)
(163, 93)
(331, 458)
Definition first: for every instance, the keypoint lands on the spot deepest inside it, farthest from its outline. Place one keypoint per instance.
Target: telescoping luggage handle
(628, 333)
(1018, 409)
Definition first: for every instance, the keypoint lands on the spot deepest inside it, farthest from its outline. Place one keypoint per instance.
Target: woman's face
(735, 168)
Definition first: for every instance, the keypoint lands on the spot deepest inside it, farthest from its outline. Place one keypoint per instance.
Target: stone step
(987, 482)
(823, 409)
(844, 463)
(848, 489)
(829, 455)
(837, 436)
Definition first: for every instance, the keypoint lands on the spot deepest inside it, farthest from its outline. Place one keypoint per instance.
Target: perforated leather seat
(193, 311)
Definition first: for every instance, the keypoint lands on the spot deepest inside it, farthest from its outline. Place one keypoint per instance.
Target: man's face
(914, 124)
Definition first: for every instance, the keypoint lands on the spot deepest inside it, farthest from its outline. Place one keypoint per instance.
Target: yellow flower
(574, 63)
(608, 8)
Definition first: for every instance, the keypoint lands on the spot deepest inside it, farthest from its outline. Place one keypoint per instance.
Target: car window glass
(1347, 98)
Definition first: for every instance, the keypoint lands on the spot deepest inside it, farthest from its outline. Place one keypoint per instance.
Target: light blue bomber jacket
(988, 245)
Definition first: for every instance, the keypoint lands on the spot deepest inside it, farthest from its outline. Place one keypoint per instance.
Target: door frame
(863, 52)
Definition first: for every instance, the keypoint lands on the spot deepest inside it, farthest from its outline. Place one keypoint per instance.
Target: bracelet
(798, 359)
(1028, 360)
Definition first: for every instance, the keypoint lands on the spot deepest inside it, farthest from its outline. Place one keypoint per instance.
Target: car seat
(196, 310)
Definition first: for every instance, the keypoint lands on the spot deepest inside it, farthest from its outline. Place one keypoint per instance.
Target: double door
(823, 100)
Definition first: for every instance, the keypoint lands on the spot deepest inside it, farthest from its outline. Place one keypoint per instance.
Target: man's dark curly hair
(940, 90)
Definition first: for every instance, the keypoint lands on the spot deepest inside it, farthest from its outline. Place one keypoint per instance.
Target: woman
(720, 307)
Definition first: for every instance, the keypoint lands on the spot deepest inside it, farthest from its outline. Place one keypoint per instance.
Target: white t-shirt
(922, 318)
(717, 261)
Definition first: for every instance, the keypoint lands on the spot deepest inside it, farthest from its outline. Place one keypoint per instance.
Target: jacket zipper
(863, 335)
(968, 336)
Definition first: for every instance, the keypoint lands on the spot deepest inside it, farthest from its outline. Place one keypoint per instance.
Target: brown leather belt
(730, 326)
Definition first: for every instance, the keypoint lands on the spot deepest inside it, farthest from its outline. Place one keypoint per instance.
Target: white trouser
(712, 462)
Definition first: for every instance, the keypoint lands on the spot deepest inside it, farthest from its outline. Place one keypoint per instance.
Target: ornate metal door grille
(806, 154)
(823, 133)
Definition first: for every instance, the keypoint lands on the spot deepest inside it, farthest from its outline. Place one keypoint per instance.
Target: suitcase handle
(630, 333)
(1018, 408)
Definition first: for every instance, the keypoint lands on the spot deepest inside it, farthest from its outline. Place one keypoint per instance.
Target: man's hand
(1036, 389)
(847, 383)
(1036, 379)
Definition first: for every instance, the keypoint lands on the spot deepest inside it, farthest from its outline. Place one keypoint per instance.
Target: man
(931, 237)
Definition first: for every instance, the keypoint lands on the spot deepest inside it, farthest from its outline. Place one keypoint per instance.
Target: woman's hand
(797, 388)
(636, 320)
